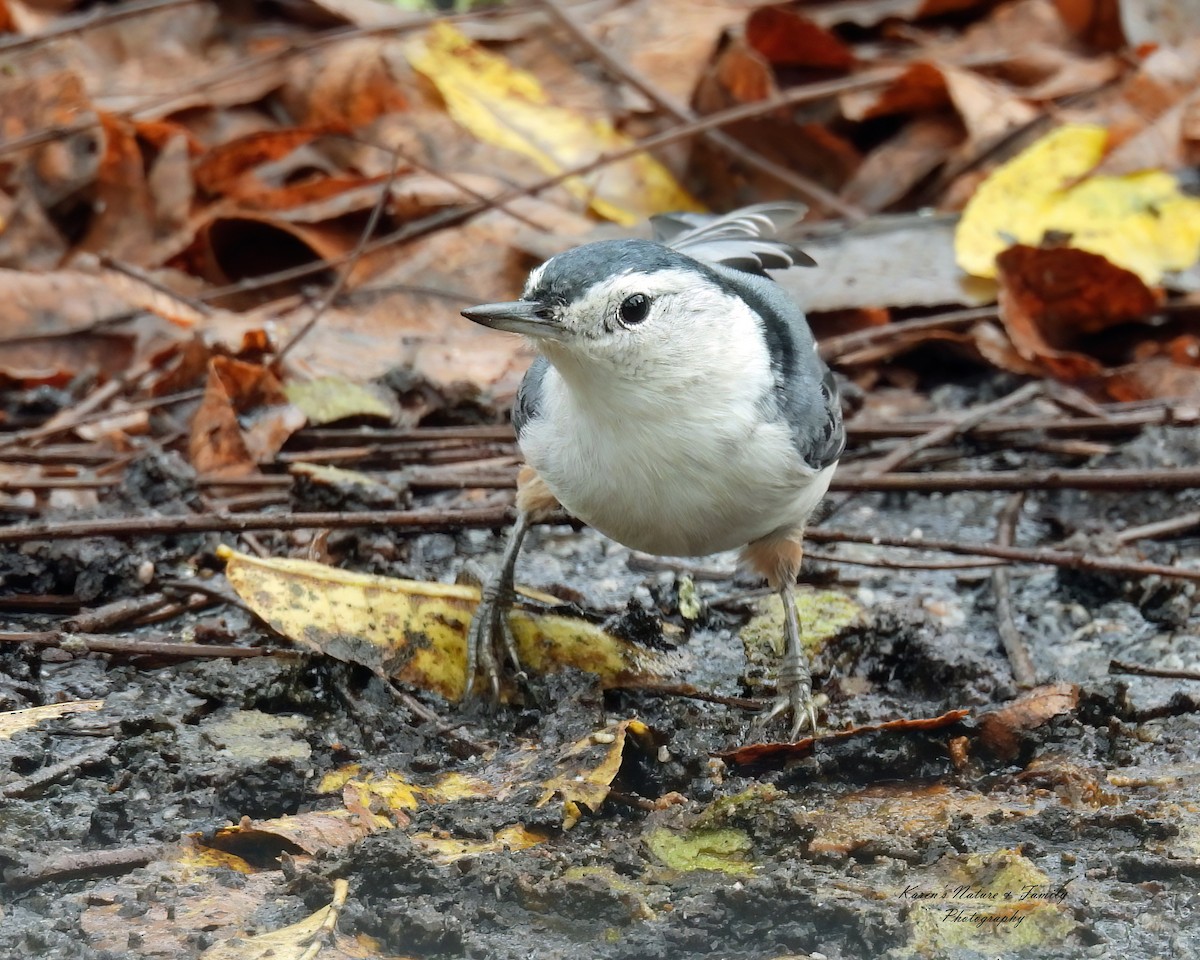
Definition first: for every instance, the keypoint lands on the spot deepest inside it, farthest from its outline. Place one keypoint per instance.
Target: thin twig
(1014, 644)
(963, 423)
(449, 218)
(1161, 528)
(1040, 555)
(834, 347)
(80, 23)
(36, 781)
(111, 614)
(414, 521)
(1178, 478)
(132, 647)
(1137, 669)
(85, 863)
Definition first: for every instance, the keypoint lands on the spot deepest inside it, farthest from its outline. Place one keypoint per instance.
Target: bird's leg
(778, 558)
(795, 678)
(489, 627)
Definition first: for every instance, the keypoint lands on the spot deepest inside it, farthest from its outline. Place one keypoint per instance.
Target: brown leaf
(1155, 378)
(1001, 730)
(788, 39)
(776, 754)
(224, 438)
(1050, 296)
(228, 169)
(919, 89)
(122, 226)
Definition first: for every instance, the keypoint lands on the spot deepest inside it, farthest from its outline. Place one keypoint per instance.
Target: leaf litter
(182, 188)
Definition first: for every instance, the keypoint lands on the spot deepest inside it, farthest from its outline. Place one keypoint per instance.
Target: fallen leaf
(788, 39)
(1141, 222)
(415, 632)
(243, 419)
(776, 754)
(1001, 730)
(1050, 297)
(589, 766)
(905, 261)
(330, 399)
(508, 107)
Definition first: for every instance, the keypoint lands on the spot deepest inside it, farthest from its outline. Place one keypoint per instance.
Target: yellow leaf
(506, 106)
(414, 631)
(589, 783)
(14, 721)
(329, 399)
(1141, 221)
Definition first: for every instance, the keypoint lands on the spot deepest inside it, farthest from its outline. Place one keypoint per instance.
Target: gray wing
(529, 394)
(747, 239)
(805, 392)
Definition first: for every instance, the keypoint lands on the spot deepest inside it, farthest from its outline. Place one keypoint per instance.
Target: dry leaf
(788, 39)
(415, 632)
(508, 107)
(1001, 730)
(1049, 297)
(777, 754)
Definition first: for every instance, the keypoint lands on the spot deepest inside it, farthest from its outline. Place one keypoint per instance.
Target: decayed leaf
(591, 765)
(1141, 222)
(445, 849)
(508, 107)
(1049, 297)
(313, 937)
(723, 849)
(415, 632)
(14, 721)
(1001, 730)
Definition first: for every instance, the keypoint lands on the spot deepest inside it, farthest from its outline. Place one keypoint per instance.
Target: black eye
(634, 309)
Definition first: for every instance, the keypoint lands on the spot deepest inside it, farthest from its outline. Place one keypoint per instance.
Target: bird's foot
(490, 638)
(795, 698)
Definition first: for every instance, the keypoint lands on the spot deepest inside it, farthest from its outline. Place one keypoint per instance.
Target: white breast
(667, 476)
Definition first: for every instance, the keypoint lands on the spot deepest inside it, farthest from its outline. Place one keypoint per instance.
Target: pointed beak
(516, 316)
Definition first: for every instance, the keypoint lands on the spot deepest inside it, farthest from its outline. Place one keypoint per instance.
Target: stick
(1014, 644)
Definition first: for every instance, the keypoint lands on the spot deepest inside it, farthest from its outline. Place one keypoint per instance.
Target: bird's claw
(797, 700)
(489, 634)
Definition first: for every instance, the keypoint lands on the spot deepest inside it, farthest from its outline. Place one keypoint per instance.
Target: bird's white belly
(677, 488)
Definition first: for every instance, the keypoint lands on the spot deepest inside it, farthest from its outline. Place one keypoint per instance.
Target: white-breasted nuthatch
(678, 405)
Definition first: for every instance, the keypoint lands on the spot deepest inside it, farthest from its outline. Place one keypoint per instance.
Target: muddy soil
(1077, 836)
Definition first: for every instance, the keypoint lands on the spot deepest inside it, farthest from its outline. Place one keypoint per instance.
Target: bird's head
(630, 305)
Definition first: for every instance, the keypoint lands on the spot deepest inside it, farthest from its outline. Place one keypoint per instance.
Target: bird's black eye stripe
(634, 309)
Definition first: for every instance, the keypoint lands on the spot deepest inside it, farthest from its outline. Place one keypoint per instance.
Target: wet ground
(1067, 829)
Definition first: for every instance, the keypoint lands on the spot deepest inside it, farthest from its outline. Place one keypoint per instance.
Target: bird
(678, 405)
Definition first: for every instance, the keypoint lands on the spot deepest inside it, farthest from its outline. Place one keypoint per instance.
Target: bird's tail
(746, 239)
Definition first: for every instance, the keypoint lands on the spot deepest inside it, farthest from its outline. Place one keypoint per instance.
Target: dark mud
(892, 844)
